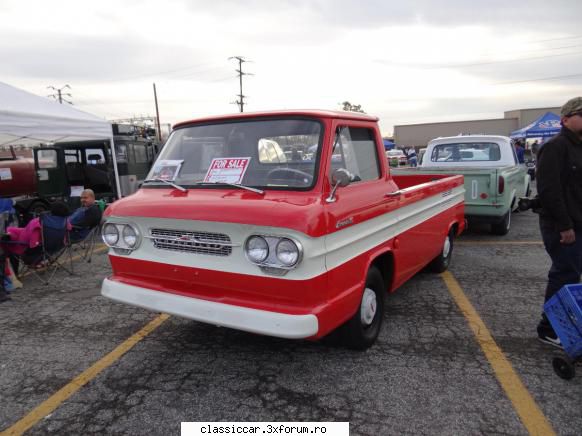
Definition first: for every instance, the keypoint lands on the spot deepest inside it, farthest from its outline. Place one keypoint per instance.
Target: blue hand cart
(564, 310)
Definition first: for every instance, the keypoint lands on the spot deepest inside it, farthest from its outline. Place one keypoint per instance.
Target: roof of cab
(314, 113)
(469, 138)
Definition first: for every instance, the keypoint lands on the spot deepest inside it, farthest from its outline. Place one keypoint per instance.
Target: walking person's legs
(566, 269)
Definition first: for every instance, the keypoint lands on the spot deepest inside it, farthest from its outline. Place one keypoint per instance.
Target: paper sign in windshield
(5, 174)
(227, 170)
(76, 191)
(166, 169)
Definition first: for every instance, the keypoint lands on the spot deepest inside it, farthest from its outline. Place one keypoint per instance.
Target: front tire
(362, 330)
(502, 228)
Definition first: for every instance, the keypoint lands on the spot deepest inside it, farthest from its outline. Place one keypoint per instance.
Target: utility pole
(241, 73)
(157, 115)
(59, 94)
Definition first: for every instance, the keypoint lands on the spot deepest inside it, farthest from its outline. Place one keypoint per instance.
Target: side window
(121, 151)
(355, 150)
(72, 156)
(47, 159)
(94, 156)
(140, 153)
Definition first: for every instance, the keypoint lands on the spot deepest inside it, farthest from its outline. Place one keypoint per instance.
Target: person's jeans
(566, 262)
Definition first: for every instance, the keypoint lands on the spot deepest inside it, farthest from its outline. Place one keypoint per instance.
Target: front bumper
(241, 318)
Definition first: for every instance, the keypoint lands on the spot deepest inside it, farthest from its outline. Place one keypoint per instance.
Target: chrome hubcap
(369, 306)
(447, 247)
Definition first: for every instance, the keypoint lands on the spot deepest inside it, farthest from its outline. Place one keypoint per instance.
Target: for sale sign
(227, 170)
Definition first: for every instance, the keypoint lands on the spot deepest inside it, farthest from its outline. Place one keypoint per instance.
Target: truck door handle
(393, 194)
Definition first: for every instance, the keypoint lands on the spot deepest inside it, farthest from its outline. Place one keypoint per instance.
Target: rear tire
(502, 228)
(362, 330)
(441, 263)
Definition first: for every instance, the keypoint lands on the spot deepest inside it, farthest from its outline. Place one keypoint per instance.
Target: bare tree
(347, 106)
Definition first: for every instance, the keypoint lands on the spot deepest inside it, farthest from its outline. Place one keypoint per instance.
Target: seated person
(30, 235)
(86, 217)
(26, 242)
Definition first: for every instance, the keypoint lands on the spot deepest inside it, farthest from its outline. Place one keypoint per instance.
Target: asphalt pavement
(433, 370)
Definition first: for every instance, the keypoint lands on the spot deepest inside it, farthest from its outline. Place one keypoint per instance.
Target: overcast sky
(405, 62)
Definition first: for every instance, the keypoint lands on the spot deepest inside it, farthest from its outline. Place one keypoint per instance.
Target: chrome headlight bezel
(110, 226)
(247, 249)
(272, 264)
(122, 246)
(124, 236)
(294, 246)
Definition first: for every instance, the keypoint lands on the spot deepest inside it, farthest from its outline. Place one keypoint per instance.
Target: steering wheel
(290, 174)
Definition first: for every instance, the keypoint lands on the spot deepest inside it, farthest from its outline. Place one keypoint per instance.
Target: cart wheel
(564, 368)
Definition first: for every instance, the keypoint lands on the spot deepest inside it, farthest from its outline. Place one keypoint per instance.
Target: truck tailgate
(480, 183)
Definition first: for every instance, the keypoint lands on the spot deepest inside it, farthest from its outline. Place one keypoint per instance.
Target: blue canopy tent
(388, 145)
(545, 126)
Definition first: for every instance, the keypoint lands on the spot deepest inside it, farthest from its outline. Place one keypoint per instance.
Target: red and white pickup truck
(282, 223)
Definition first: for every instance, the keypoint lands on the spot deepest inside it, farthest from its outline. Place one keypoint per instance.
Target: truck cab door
(49, 165)
(354, 212)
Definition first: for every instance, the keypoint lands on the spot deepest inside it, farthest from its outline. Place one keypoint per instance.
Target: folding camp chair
(86, 238)
(85, 241)
(47, 255)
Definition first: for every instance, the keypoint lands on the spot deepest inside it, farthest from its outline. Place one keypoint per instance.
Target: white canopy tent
(27, 119)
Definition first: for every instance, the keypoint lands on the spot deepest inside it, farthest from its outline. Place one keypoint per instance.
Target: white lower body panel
(241, 318)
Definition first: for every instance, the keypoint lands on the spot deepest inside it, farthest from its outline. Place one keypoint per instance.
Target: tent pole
(116, 172)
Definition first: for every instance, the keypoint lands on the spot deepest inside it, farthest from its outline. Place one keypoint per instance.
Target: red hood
(299, 211)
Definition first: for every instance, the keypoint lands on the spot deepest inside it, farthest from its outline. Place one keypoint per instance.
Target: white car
(398, 155)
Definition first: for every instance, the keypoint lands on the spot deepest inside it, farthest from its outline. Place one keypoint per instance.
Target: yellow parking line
(82, 379)
(528, 411)
(499, 243)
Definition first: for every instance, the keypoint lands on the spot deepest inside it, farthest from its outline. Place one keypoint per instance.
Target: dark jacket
(86, 217)
(559, 181)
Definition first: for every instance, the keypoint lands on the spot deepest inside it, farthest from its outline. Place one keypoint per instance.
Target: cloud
(403, 61)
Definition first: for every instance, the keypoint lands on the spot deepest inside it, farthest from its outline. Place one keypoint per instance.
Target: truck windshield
(274, 153)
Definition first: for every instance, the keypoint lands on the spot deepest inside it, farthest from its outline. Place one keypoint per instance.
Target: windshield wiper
(235, 185)
(181, 188)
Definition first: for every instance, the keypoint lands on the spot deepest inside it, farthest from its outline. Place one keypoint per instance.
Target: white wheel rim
(368, 307)
(447, 247)
(508, 220)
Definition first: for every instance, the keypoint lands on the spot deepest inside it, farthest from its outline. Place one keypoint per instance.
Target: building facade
(418, 135)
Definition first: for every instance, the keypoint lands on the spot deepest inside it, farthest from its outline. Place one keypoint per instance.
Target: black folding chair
(84, 239)
(46, 256)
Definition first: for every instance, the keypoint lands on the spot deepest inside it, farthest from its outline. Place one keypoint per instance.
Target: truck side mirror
(340, 177)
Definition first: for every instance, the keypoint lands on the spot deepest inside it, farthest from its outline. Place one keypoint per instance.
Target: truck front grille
(214, 244)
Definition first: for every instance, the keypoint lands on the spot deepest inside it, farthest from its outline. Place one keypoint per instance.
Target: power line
(241, 96)
(568, 76)
(506, 61)
(155, 74)
(473, 64)
(554, 39)
(59, 94)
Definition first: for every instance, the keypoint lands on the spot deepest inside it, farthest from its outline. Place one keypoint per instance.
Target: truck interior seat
(97, 178)
(75, 173)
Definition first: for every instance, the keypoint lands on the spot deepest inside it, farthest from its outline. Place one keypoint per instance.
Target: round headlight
(110, 234)
(257, 249)
(129, 236)
(287, 252)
